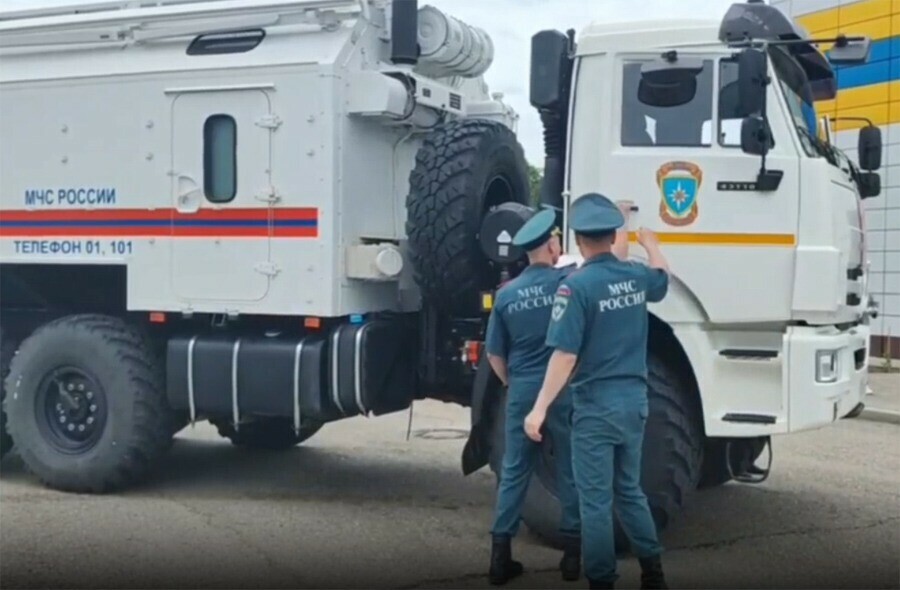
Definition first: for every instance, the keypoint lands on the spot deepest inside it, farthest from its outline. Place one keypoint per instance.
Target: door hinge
(270, 121)
(268, 195)
(267, 268)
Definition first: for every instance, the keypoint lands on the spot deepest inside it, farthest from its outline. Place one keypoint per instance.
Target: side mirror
(669, 82)
(753, 78)
(551, 68)
(756, 137)
(869, 148)
(846, 52)
(869, 185)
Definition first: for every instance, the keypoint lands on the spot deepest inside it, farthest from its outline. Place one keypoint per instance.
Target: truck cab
(709, 128)
(765, 237)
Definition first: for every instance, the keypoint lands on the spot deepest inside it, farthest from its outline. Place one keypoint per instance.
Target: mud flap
(485, 388)
(742, 468)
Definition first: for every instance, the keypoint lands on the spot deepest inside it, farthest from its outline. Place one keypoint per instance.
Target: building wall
(871, 90)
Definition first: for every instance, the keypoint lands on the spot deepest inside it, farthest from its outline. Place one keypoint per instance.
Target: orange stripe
(723, 239)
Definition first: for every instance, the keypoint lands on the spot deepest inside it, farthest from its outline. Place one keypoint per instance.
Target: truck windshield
(797, 93)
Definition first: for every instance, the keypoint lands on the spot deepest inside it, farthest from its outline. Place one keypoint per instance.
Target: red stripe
(149, 232)
(255, 214)
(40, 232)
(296, 232)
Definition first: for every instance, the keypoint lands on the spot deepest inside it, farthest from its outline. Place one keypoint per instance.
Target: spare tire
(463, 169)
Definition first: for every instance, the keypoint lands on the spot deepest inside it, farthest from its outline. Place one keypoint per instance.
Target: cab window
(686, 125)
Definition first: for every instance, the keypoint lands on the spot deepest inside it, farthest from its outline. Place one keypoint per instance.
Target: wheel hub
(72, 406)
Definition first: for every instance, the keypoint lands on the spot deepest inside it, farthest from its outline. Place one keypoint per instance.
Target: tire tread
(447, 263)
(151, 435)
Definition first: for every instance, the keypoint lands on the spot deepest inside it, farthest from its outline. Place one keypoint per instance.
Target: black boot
(652, 577)
(600, 585)
(503, 568)
(570, 564)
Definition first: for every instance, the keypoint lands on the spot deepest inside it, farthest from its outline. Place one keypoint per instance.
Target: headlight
(826, 366)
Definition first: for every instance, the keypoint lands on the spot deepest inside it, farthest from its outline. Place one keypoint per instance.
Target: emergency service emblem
(560, 302)
(679, 183)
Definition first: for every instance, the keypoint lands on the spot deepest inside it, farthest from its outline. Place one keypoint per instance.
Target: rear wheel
(86, 404)
(270, 434)
(7, 351)
(463, 169)
(671, 458)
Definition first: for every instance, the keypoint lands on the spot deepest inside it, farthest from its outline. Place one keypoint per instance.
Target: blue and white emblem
(679, 184)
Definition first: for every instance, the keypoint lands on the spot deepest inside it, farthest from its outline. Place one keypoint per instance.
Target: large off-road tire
(271, 434)
(671, 458)
(743, 453)
(86, 404)
(7, 351)
(463, 169)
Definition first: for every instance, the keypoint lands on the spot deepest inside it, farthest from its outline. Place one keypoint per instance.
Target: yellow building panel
(817, 22)
(863, 11)
(879, 115)
(880, 28)
(863, 96)
(894, 113)
(852, 19)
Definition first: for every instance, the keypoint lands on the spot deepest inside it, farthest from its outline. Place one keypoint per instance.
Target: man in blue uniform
(518, 355)
(598, 331)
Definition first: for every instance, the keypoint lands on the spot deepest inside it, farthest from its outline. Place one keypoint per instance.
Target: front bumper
(812, 404)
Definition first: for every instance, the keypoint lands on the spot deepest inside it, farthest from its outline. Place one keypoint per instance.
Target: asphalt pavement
(883, 404)
(359, 506)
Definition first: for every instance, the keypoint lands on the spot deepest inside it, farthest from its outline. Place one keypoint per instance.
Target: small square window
(220, 158)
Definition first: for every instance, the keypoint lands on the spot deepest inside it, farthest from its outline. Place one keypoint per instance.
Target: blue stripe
(160, 223)
(883, 66)
(868, 74)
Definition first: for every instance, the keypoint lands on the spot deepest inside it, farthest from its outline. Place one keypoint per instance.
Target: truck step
(749, 354)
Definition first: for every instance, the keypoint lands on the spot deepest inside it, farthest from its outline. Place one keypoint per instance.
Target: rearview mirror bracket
(754, 79)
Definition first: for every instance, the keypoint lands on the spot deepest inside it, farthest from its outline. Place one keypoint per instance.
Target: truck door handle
(184, 201)
(184, 198)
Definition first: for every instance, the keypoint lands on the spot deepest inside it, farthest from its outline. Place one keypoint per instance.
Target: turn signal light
(157, 317)
(312, 323)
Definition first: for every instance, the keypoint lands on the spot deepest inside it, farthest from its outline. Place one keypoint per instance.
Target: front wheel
(86, 404)
(671, 458)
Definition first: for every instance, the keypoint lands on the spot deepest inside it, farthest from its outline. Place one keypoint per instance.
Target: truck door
(684, 167)
(220, 183)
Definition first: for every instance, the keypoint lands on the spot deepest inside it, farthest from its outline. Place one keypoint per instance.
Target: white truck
(275, 214)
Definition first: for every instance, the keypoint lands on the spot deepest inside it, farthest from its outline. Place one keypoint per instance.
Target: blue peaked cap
(536, 231)
(594, 214)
